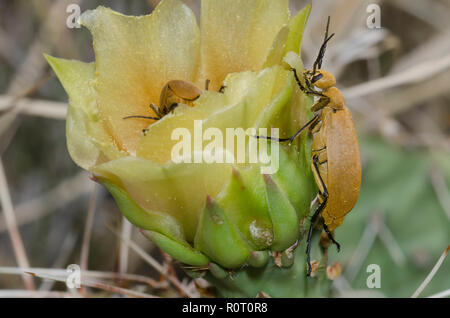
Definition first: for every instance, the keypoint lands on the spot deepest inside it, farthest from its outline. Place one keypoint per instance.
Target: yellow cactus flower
(225, 213)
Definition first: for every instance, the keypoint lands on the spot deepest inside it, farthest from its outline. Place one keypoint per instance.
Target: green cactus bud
(258, 258)
(244, 201)
(182, 252)
(219, 239)
(217, 271)
(283, 215)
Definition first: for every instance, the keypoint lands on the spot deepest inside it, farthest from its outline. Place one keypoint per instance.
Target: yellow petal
(87, 141)
(177, 189)
(246, 96)
(79, 144)
(237, 35)
(157, 144)
(76, 77)
(135, 57)
(289, 38)
(259, 93)
(277, 51)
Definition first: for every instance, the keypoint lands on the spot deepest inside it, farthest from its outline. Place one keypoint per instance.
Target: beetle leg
(315, 127)
(312, 90)
(321, 103)
(207, 84)
(290, 139)
(307, 90)
(321, 149)
(222, 89)
(312, 122)
(315, 215)
(311, 227)
(172, 107)
(156, 110)
(330, 236)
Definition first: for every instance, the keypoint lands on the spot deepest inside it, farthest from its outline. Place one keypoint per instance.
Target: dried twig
(62, 273)
(387, 238)
(414, 74)
(431, 274)
(97, 284)
(66, 251)
(441, 189)
(158, 267)
(36, 107)
(88, 230)
(14, 234)
(442, 294)
(365, 244)
(64, 193)
(127, 230)
(21, 293)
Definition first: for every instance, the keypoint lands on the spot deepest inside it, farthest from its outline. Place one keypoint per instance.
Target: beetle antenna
(141, 117)
(319, 59)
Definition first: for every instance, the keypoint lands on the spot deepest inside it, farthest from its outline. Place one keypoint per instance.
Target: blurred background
(396, 81)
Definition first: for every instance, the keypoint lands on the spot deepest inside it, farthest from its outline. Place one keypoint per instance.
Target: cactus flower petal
(236, 35)
(88, 142)
(135, 57)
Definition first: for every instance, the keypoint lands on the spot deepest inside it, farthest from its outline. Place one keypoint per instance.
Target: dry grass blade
(62, 273)
(67, 191)
(445, 293)
(36, 107)
(158, 267)
(441, 189)
(99, 285)
(27, 91)
(88, 230)
(387, 238)
(66, 251)
(414, 74)
(20, 293)
(14, 234)
(365, 244)
(431, 274)
(127, 230)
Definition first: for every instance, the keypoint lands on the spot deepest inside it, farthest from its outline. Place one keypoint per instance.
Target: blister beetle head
(321, 79)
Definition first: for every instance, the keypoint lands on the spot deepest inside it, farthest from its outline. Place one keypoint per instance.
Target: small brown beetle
(173, 93)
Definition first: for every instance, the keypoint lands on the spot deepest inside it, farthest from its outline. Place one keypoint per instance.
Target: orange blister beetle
(336, 162)
(173, 93)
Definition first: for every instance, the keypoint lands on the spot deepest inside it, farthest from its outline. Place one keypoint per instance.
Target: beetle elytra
(173, 93)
